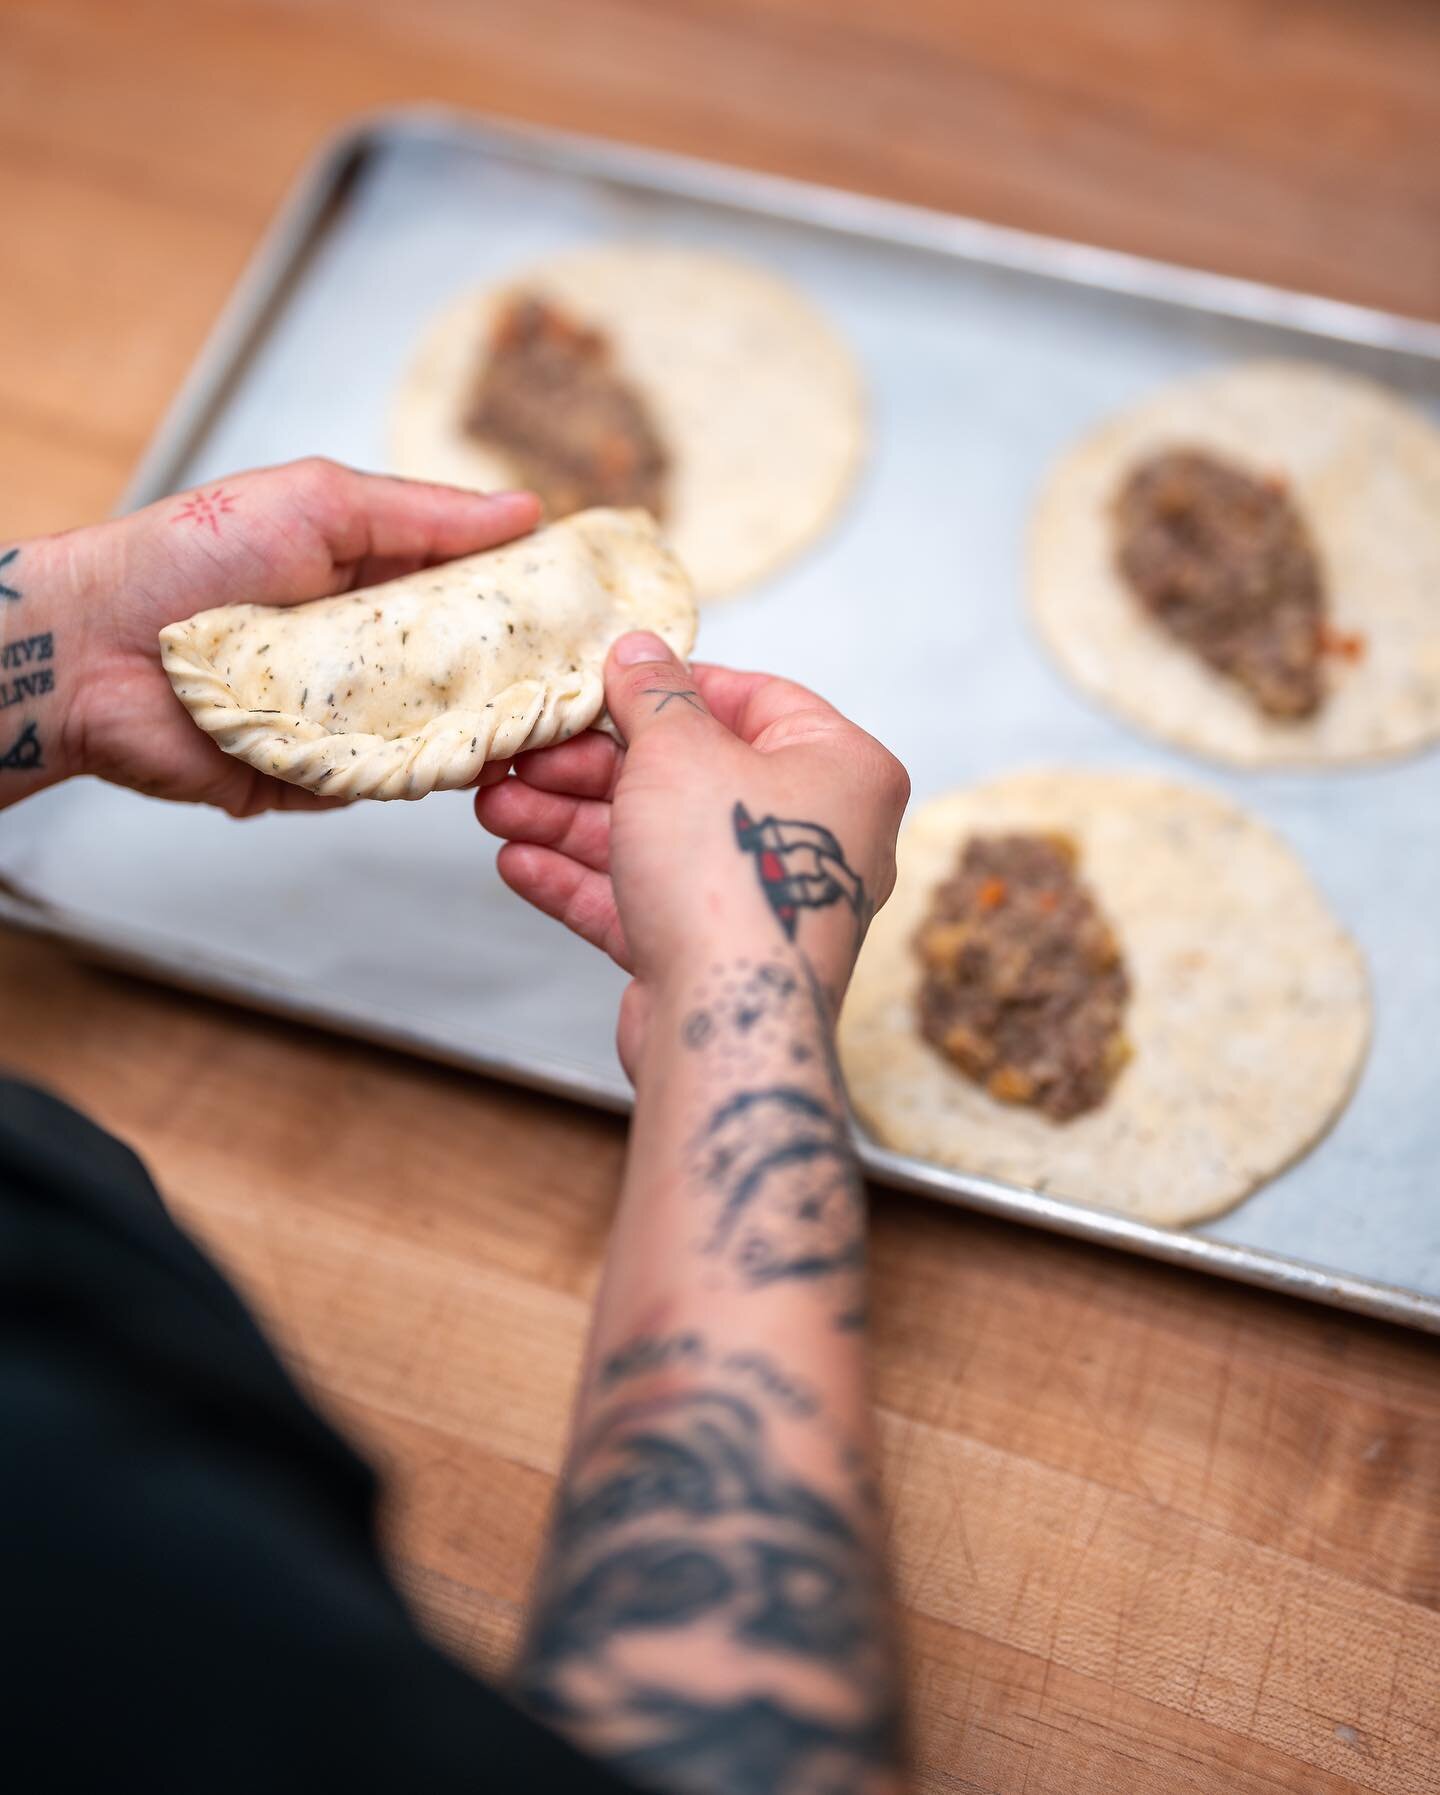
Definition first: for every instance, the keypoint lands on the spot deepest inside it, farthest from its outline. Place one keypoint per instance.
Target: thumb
(648, 686)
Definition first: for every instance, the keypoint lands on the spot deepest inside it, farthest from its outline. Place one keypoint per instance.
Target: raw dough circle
(757, 398)
(1364, 468)
(1249, 1011)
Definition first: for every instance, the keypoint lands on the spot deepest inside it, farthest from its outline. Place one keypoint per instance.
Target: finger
(258, 793)
(493, 772)
(752, 704)
(587, 766)
(308, 529)
(373, 523)
(648, 687)
(579, 828)
(294, 797)
(575, 895)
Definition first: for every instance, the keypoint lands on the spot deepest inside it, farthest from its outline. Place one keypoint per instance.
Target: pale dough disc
(1249, 1011)
(757, 399)
(1364, 469)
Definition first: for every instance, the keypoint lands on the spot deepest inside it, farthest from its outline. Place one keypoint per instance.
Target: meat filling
(1223, 560)
(550, 398)
(1024, 986)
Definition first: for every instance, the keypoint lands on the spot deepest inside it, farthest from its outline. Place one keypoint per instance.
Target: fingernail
(640, 646)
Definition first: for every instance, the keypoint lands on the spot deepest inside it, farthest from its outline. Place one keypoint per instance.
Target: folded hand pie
(410, 687)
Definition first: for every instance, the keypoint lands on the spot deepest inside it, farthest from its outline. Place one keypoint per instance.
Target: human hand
(278, 536)
(711, 834)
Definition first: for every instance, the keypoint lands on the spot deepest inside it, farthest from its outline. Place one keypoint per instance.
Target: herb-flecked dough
(410, 687)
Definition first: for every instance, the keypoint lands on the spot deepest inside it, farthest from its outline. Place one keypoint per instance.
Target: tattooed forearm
(771, 1153)
(713, 1617)
(692, 1351)
(8, 574)
(683, 1520)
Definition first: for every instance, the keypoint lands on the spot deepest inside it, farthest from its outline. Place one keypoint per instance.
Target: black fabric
(191, 1597)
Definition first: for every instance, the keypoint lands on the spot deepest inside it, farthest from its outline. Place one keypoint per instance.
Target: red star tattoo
(205, 508)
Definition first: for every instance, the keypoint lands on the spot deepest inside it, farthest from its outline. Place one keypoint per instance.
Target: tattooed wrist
(27, 675)
(46, 608)
(774, 1185)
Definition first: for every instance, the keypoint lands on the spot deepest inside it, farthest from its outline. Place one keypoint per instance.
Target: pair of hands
(633, 850)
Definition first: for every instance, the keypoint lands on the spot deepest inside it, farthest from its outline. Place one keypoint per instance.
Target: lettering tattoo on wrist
(683, 1517)
(27, 669)
(7, 574)
(27, 675)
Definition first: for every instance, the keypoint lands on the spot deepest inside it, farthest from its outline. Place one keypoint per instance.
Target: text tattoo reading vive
(26, 674)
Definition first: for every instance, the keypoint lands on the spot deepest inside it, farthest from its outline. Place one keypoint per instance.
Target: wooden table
(1152, 1533)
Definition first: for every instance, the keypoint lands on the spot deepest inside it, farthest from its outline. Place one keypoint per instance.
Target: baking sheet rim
(558, 1077)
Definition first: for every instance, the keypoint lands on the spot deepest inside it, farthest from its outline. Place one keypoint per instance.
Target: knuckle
(891, 780)
(896, 781)
(318, 477)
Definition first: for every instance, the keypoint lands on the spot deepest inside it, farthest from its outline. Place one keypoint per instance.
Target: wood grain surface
(1152, 1533)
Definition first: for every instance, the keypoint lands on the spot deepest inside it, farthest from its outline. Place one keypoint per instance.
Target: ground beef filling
(1024, 986)
(1224, 562)
(551, 400)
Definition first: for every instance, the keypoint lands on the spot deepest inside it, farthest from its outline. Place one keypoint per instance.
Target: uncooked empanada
(756, 398)
(410, 687)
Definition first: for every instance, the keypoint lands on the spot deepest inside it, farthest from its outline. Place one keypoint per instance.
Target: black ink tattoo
(679, 1515)
(7, 560)
(776, 1157)
(791, 1206)
(652, 1354)
(32, 653)
(23, 755)
(665, 694)
(28, 649)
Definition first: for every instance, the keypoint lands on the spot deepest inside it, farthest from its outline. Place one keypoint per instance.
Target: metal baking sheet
(985, 353)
